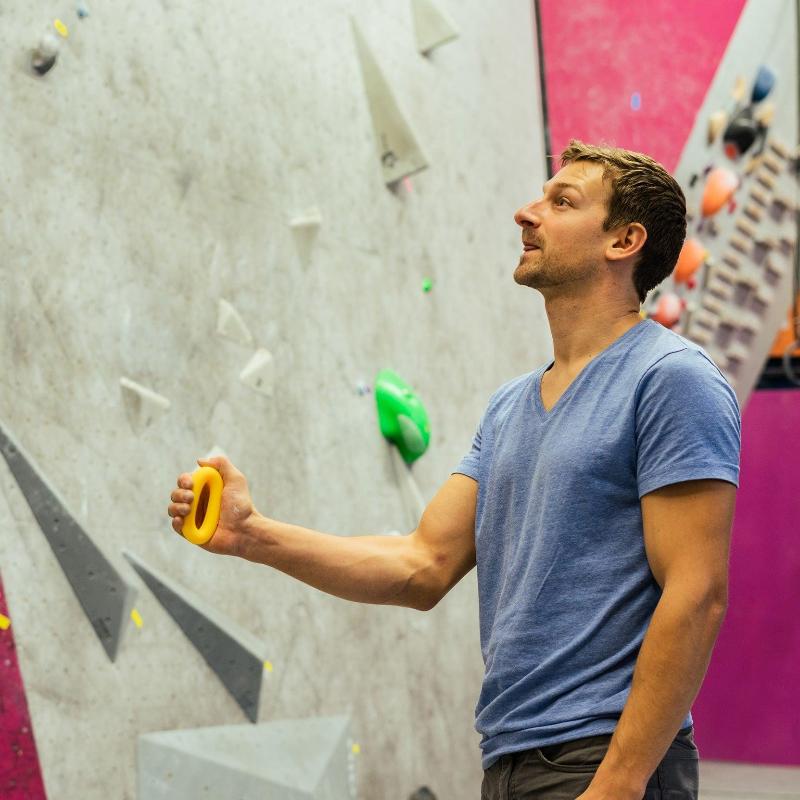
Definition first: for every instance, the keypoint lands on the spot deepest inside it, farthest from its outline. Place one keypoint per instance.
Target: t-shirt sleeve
(470, 464)
(688, 424)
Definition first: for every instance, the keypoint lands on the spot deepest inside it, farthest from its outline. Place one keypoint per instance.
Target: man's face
(562, 232)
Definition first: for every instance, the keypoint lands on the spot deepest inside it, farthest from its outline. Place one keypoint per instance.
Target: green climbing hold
(427, 285)
(401, 415)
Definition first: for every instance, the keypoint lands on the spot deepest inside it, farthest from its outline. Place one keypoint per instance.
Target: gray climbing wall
(177, 156)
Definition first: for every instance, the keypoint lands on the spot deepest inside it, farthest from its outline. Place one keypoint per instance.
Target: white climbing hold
(308, 220)
(142, 405)
(433, 27)
(259, 373)
(231, 325)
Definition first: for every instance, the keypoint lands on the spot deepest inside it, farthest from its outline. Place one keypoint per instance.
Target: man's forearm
(386, 570)
(669, 670)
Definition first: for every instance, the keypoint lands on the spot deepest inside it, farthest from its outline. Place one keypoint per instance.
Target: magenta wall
(597, 54)
(749, 706)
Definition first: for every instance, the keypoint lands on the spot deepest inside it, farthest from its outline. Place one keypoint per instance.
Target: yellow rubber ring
(205, 477)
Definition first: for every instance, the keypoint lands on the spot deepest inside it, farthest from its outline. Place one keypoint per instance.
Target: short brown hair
(641, 191)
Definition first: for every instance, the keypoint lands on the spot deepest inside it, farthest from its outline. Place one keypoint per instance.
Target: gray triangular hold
(432, 26)
(106, 598)
(397, 147)
(235, 655)
(303, 759)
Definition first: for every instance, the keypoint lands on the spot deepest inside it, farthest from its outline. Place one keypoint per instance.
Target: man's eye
(558, 202)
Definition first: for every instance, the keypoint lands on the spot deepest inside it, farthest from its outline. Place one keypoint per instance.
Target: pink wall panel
(749, 706)
(597, 54)
(20, 776)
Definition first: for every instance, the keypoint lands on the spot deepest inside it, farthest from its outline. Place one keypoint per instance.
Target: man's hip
(563, 771)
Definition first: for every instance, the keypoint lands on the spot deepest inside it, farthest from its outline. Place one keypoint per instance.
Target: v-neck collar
(537, 382)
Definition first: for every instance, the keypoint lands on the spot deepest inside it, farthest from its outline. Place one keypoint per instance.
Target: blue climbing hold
(636, 101)
(765, 81)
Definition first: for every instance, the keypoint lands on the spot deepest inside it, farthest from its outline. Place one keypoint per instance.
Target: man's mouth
(527, 247)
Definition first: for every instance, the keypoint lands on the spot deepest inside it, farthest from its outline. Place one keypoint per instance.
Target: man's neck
(581, 332)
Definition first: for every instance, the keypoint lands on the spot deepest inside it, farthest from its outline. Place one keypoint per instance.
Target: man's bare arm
(416, 570)
(687, 530)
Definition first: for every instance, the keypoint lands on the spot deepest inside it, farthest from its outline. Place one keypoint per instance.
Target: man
(597, 502)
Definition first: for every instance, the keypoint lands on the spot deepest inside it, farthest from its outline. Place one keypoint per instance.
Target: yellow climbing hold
(5, 622)
(268, 666)
(356, 748)
(137, 618)
(61, 28)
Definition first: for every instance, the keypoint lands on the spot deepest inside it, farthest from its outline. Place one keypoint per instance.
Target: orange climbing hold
(720, 185)
(692, 256)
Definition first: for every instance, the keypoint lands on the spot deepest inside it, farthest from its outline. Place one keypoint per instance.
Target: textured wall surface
(152, 172)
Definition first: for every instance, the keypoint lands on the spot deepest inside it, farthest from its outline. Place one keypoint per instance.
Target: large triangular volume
(106, 598)
(398, 150)
(305, 759)
(235, 655)
(432, 26)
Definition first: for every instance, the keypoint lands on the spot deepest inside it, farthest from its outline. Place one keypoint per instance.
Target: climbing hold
(362, 388)
(669, 310)
(690, 259)
(82, 10)
(44, 56)
(259, 372)
(427, 285)
(636, 101)
(763, 84)
(142, 405)
(62, 29)
(716, 124)
(720, 185)
(231, 325)
(741, 133)
(398, 150)
(432, 26)
(401, 415)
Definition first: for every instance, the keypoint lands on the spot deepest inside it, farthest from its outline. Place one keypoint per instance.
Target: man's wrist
(618, 781)
(251, 532)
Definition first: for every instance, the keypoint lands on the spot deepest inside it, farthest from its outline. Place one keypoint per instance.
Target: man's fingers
(182, 496)
(179, 510)
(185, 481)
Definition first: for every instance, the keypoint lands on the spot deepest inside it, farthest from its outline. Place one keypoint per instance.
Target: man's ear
(628, 241)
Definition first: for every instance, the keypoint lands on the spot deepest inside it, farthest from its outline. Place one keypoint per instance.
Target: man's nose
(527, 216)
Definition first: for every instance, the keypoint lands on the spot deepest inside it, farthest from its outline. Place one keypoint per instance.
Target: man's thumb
(219, 463)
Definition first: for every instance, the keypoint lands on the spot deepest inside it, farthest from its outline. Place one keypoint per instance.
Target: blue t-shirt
(565, 588)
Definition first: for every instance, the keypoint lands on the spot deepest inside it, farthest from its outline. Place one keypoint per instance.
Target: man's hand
(236, 512)
(608, 789)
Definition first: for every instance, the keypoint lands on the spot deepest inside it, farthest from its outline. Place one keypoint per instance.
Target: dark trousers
(563, 771)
